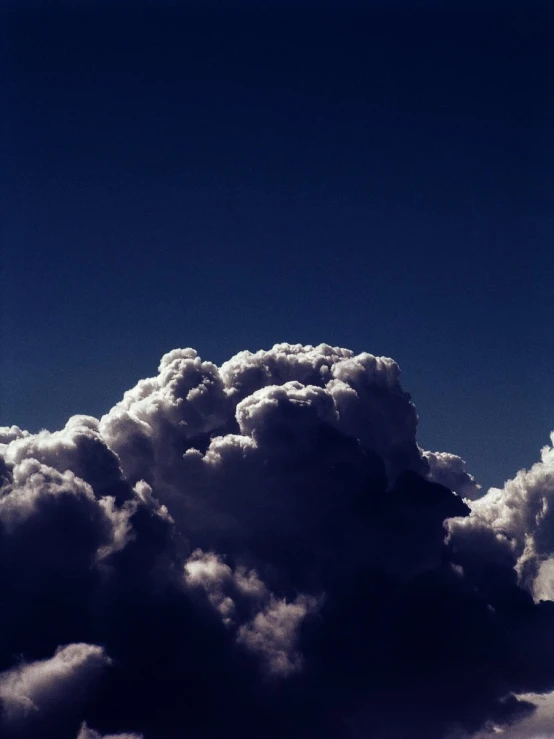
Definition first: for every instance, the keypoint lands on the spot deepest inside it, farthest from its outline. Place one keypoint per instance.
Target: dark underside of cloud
(261, 549)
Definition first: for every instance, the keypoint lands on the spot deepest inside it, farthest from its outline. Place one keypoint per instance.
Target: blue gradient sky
(381, 180)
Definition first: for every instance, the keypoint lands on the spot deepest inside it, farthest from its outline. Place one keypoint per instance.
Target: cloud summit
(262, 549)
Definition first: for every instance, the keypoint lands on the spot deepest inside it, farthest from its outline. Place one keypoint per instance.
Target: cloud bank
(263, 549)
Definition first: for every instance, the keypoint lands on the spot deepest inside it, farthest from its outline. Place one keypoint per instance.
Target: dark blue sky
(228, 179)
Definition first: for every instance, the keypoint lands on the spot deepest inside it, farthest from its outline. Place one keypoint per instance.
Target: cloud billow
(263, 549)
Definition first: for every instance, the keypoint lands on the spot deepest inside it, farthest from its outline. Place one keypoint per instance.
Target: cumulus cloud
(273, 633)
(264, 546)
(87, 733)
(266, 625)
(450, 470)
(34, 694)
(517, 521)
(222, 586)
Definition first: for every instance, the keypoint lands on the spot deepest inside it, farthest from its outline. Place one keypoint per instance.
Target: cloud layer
(263, 549)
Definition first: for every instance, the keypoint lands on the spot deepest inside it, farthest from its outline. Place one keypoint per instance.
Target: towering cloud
(263, 549)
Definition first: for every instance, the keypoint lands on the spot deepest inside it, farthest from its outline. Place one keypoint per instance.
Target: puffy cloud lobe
(87, 733)
(260, 548)
(291, 409)
(150, 425)
(537, 726)
(35, 694)
(54, 534)
(273, 633)
(267, 625)
(78, 448)
(58, 538)
(191, 400)
(248, 371)
(517, 523)
(42, 501)
(222, 586)
(10, 433)
(450, 470)
(370, 404)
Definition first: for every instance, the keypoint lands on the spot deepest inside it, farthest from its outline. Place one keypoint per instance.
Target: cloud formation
(39, 695)
(263, 549)
(87, 733)
(450, 470)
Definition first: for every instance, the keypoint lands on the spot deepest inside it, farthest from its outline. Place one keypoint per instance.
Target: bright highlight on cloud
(263, 549)
(86, 733)
(37, 692)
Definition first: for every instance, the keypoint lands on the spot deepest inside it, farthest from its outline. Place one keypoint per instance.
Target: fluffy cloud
(273, 633)
(87, 733)
(264, 624)
(222, 586)
(264, 546)
(36, 695)
(450, 470)
(517, 523)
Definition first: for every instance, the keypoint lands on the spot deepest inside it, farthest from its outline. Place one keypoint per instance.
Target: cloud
(87, 733)
(450, 470)
(264, 546)
(34, 694)
(222, 586)
(518, 520)
(539, 725)
(273, 633)
(264, 624)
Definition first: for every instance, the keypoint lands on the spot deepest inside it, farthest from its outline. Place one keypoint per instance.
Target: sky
(375, 177)
(275, 300)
